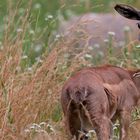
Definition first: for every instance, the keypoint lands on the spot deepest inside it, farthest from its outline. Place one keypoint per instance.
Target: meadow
(36, 60)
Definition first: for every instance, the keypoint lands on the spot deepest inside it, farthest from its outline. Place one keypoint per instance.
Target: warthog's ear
(128, 11)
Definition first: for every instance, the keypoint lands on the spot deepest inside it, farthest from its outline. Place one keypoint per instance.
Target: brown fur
(95, 97)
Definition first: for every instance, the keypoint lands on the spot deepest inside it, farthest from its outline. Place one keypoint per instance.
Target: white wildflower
(19, 30)
(42, 123)
(58, 36)
(90, 48)
(106, 40)
(29, 69)
(101, 53)
(31, 32)
(46, 19)
(138, 46)
(126, 28)
(96, 46)
(111, 33)
(32, 127)
(36, 125)
(24, 57)
(38, 48)
(37, 6)
(50, 127)
(88, 56)
(50, 16)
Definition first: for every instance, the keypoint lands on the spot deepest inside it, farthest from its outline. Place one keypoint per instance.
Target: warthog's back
(98, 25)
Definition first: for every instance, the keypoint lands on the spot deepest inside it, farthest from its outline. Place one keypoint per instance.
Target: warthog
(95, 97)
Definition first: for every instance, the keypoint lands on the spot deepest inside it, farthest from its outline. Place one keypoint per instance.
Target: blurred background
(46, 16)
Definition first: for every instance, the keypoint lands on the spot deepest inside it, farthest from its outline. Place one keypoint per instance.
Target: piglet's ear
(128, 11)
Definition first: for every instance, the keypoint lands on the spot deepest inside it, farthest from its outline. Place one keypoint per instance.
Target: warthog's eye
(138, 25)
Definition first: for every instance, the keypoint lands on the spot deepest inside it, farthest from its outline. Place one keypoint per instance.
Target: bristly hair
(137, 74)
(134, 73)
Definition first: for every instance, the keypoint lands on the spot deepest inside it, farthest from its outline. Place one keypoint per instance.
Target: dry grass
(32, 96)
(134, 130)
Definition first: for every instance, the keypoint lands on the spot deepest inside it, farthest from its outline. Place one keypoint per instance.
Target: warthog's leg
(73, 121)
(125, 118)
(103, 128)
(101, 124)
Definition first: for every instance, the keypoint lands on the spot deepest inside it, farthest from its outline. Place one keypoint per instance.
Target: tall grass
(30, 94)
(29, 98)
